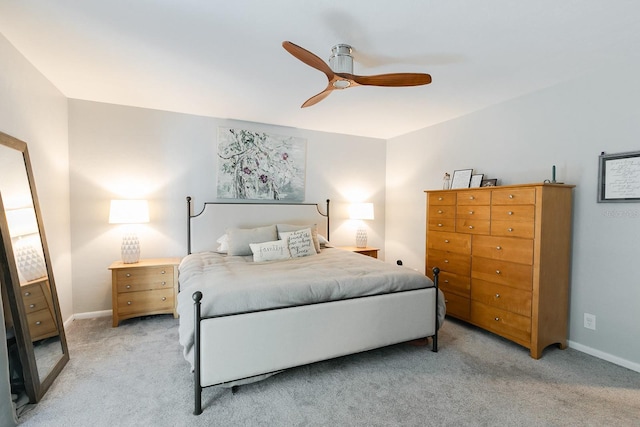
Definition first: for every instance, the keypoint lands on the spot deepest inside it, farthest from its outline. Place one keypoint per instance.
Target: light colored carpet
(135, 375)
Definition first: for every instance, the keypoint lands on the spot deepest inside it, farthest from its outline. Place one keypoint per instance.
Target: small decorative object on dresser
(367, 250)
(149, 286)
(476, 180)
(489, 182)
(504, 256)
(461, 178)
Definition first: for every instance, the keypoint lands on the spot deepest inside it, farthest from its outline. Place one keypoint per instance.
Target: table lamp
(129, 212)
(361, 211)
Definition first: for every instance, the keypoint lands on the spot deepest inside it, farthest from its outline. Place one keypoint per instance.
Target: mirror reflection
(34, 290)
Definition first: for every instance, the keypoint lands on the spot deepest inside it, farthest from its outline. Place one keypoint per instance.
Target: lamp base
(361, 238)
(130, 249)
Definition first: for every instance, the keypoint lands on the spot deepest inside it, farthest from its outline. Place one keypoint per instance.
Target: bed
(267, 298)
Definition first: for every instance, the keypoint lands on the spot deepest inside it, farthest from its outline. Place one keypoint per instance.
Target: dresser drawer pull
(439, 211)
(446, 240)
(497, 271)
(511, 196)
(446, 300)
(163, 272)
(446, 261)
(446, 281)
(471, 197)
(509, 229)
(440, 198)
(26, 294)
(32, 305)
(163, 283)
(497, 319)
(38, 323)
(509, 213)
(497, 295)
(128, 286)
(128, 274)
(470, 212)
(439, 225)
(471, 227)
(499, 248)
(128, 302)
(164, 298)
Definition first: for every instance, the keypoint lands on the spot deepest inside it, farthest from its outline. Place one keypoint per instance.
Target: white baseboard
(89, 315)
(605, 356)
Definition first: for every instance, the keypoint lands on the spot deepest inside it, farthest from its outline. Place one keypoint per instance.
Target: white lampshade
(129, 212)
(22, 221)
(361, 211)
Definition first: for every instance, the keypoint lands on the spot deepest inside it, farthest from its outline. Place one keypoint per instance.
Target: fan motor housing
(341, 60)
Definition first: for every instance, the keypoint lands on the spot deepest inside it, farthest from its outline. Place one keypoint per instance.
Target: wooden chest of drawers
(147, 287)
(38, 305)
(504, 255)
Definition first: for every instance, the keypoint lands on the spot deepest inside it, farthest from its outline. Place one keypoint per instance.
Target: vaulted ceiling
(225, 58)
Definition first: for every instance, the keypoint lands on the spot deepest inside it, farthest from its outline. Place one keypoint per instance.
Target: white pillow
(270, 251)
(284, 228)
(223, 244)
(239, 238)
(300, 242)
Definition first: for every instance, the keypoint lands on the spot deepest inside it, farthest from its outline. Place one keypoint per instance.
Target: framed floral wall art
(259, 165)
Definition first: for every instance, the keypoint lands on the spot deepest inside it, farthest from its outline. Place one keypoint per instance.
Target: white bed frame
(234, 347)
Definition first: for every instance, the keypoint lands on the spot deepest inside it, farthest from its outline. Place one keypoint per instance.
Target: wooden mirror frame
(34, 386)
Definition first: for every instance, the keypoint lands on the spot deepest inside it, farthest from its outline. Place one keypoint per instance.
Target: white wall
(33, 110)
(127, 152)
(568, 125)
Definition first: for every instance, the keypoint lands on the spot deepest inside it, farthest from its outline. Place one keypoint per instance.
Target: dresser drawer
(450, 282)
(513, 212)
(471, 198)
(41, 324)
(522, 229)
(449, 262)
(442, 198)
(442, 224)
(506, 273)
(504, 248)
(457, 306)
(503, 297)
(442, 211)
(146, 302)
(451, 242)
(502, 322)
(472, 226)
(33, 297)
(144, 278)
(474, 212)
(514, 196)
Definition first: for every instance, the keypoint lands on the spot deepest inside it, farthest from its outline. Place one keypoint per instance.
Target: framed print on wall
(476, 180)
(619, 177)
(461, 178)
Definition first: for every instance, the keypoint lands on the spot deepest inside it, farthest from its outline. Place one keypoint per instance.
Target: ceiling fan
(339, 71)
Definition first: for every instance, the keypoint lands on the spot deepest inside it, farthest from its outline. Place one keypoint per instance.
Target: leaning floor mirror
(33, 323)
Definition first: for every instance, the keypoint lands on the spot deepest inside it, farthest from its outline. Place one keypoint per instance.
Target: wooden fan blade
(394, 79)
(317, 98)
(308, 58)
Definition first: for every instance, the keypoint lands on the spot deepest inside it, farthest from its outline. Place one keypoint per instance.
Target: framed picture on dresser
(461, 178)
(476, 180)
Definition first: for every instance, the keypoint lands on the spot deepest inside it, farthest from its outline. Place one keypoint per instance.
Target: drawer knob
(497, 271)
(499, 248)
(163, 283)
(497, 295)
(439, 198)
(128, 302)
(511, 196)
(497, 319)
(32, 305)
(439, 211)
(470, 212)
(163, 272)
(439, 225)
(471, 197)
(509, 229)
(128, 274)
(446, 261)
(128, 286)
(446, 300)
(26, 294)
(38, 323)
(164, 298)
(446, 281)
(509, 213)
(471, 227)
(446, 240)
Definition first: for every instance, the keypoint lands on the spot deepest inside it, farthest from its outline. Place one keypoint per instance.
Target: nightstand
(149, 286)
(367, 250)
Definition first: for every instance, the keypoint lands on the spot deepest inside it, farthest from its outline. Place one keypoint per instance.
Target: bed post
(328, 219)
(197, 410)
(434, 347)
(188, 225)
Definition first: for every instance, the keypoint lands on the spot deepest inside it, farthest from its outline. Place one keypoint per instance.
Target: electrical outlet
(590, 321)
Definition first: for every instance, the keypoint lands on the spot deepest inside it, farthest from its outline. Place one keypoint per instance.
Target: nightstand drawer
(146, 302)
(136, 279)
(41, 324)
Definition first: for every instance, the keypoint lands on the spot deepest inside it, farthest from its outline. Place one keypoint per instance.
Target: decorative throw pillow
(270, 251)
(284, 228)
(223, 244)
(240, 238)
(300, 243)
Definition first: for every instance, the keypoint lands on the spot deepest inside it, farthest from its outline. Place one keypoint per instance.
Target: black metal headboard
(191, 216)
